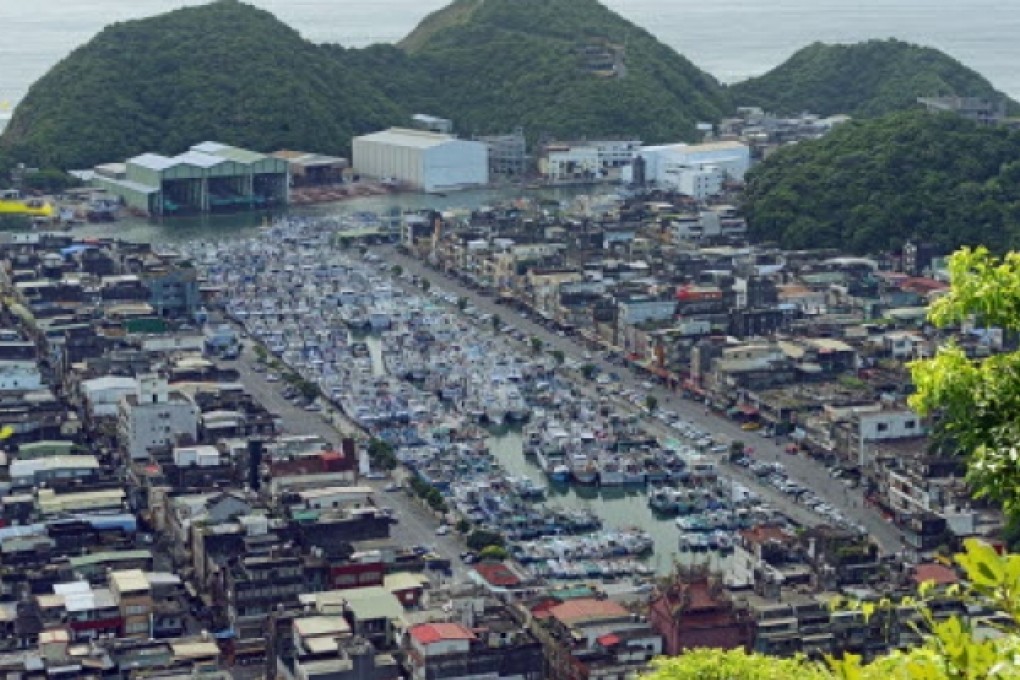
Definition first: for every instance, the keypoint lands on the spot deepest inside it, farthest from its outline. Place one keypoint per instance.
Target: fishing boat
(583, 469)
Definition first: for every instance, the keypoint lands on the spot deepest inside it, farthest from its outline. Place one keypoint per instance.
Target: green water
(618, 507)
(238, 225)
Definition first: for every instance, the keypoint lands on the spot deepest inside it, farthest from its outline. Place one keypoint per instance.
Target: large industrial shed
(427, 161)
(209, 177)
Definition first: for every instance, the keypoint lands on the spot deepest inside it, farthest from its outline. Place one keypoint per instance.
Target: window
(910, 424)
(881, 427)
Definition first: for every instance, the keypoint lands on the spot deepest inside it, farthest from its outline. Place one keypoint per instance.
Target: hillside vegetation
(870, 185)
(230, 72)
(863, 80)
(558, 68)
(502, 63)
(223, 71)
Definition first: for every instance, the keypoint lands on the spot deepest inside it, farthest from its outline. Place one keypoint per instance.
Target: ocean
(731, 39)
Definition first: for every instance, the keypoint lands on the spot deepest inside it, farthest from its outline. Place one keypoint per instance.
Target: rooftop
(418, 139)
(129, 581)
(939, 574)
(587, 610)
(429, 633)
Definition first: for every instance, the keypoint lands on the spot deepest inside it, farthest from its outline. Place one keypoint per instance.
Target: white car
(442, 530)
(272, 377)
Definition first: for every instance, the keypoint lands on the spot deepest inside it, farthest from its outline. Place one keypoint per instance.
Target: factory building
(209, 177)
(732, 158)
(427, 161)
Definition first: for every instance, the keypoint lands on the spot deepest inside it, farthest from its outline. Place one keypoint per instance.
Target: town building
(209, 177)
(587, 161)
(680, 166)
(426, 161)
(156, 418)
(508, 154)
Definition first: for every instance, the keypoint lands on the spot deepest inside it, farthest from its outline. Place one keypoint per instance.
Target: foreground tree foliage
(977, 401)
(871, 185)
(863, 80)
(951, 649)
(734, 664)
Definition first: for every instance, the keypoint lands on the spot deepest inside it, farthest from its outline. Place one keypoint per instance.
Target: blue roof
(124, 521)
(75, 249)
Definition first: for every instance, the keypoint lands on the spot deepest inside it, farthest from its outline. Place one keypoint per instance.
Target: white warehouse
(427, 161)
(732, 158)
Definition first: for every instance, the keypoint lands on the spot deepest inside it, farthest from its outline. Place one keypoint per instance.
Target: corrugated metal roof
(127, 184)
(198, 159)
(152, 161)
(416, 139)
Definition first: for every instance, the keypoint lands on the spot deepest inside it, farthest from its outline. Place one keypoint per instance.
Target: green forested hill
(223, 71)
(870, 185)
(230, 72)
(863, 80)
(563, 68)
(502, 63)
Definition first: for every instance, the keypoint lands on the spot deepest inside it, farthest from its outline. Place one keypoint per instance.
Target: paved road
(415, 524)
(803, 470)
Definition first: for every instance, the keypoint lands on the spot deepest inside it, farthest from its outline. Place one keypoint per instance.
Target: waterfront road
(801, 469)
(416, 525)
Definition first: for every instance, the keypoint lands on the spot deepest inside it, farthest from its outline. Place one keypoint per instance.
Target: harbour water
(731, 39)
(240, 225)
(619, 507)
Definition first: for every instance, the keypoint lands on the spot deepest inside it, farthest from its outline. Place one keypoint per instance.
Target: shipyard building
(423, 160)
(209, 177)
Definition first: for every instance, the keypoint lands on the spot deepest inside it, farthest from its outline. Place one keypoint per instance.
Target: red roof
(586, 609)
(921, 285)
(765, 532)
(939, 573)
(608, 640)
(498, 574)
(429, 633)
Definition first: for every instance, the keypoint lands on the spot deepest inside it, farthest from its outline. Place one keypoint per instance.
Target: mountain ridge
(864, 79)
(232, 72)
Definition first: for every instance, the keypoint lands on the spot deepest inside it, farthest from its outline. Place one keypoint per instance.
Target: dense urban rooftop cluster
(230, 459)
(164, 517)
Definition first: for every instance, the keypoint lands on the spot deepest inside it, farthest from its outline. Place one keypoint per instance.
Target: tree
(425, 284)
(396, 270)
(382, 454)
(462, 303)
(309, 390)
(463, 526)
(480, 539)
(493, 553)
(260, 353)
(558, 356)
(733, 664)
(497, 322)
(651, 403)
(975, 402)
(589, 371)
(864, 188)
(536, 345)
